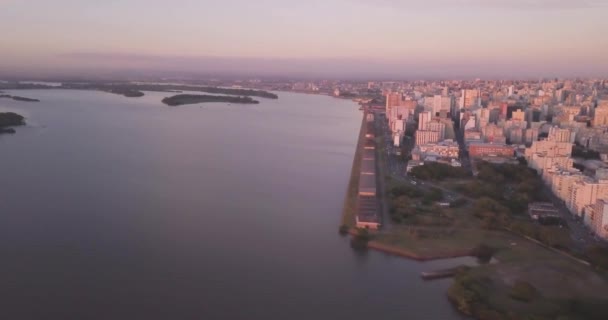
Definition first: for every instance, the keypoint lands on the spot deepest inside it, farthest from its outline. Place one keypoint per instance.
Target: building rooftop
(369, 154)
(368, 166)
(367, 209)
(369, 144)
(367, 181)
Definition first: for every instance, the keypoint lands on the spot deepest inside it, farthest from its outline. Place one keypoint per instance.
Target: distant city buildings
(541, 121)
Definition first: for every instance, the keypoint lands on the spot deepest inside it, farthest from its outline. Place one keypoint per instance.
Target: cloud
(490, 4)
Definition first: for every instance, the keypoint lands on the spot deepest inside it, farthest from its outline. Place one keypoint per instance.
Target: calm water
(117, 208)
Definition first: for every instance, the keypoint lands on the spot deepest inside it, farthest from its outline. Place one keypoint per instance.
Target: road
(583, 237)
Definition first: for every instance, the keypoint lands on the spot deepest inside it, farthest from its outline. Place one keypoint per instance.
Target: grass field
(561, 287)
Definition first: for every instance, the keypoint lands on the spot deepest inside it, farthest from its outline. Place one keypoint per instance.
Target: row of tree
(416, 206)
(512, 185)
(438, 171)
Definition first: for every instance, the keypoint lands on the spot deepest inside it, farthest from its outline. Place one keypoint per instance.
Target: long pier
(367, 207)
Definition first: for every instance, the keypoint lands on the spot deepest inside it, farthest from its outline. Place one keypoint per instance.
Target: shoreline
(348, 208)
(399, 252)
(406, 254)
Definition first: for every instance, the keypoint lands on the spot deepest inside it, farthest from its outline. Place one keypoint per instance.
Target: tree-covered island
(129, 89)
(136, 90)
(182, 99)
(127, 92)
(8, 120)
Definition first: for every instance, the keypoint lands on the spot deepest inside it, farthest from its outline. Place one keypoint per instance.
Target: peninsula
(182, 99)
(10, 119)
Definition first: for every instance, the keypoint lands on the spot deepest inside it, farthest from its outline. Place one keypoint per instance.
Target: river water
(123, 208)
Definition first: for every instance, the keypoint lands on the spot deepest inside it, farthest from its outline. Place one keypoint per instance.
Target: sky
(317, 38)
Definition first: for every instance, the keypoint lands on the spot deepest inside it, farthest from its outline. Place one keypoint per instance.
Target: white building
(427, 137)
(423, 119)
(599, 219)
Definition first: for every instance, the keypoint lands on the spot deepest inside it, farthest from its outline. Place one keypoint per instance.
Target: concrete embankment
(400, 252)
(440, 274)
(415, 256)
(350, 199)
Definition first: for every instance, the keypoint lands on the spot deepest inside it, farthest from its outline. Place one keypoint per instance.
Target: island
(240, 92)
(127, 92)
(135, 89)
(8, 120)
(182, 99)
(18, 98)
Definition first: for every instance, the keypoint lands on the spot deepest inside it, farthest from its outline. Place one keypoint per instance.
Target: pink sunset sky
(365, 38)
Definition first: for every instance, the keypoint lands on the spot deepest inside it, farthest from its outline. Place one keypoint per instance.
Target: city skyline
(342, 38)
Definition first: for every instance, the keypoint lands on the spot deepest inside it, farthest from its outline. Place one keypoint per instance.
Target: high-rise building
(559, 135)
(437, 104)
(427, 137)
(437, 126)
(519, 115)
(531, 135)
(516, 135)
(447, 103)
(550, 148)
(469, 98)
(492, 133)
(423, 119)
(561, 180)
(600, 218)
(600, 117)
(584, 193)
(504, 109)
(393, 99)
(399, 127)
(483, 116)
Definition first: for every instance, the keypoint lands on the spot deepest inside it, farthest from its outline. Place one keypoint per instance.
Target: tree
(11, 119)
(363, 234)
(523, 291)
(344, 229)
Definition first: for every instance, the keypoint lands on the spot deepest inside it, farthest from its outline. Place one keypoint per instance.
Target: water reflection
(116, 208)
